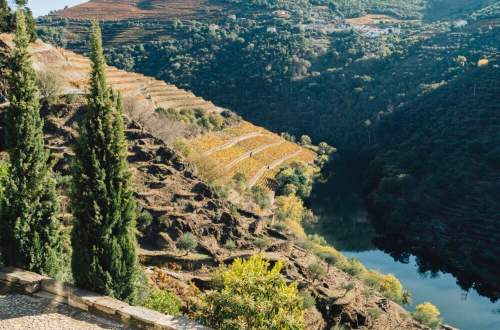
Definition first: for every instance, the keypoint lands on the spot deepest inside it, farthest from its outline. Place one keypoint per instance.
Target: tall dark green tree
(31, 235)
(30, 20)
(104, 242)
(6, 18)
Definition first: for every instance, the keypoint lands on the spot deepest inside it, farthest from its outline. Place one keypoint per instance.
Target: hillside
(313, 71)
(217, 140)
(140, 9)
(169, 190)
(444, 170)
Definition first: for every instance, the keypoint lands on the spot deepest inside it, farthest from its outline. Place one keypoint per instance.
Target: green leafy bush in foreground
(251, 295)
(163, 301)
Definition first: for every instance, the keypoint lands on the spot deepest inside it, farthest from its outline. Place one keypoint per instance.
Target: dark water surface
(346, 225)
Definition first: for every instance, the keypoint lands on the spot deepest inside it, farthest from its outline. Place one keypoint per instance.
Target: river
(346, 225)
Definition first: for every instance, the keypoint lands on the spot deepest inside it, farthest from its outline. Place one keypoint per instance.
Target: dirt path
(231, 143)
(251, 153)
(269, 167)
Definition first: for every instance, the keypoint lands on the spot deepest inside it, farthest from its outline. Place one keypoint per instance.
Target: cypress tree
(104, 243)
(31, 232)
(5, 17)
(30, 20)
(31, 25)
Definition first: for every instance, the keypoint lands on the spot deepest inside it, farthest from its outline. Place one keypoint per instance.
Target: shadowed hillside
(436, 181)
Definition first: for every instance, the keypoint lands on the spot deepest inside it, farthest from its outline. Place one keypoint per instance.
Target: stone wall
(30, 283)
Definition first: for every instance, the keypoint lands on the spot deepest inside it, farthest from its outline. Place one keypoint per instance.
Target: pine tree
(31, 232)
(104, 243)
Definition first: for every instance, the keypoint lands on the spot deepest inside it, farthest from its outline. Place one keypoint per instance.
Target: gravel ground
(20, 312)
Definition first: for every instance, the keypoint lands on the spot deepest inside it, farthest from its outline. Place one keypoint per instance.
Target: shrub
(187, 242)
(388, 285)
(222, 191)
(295, 179)
(374, 313)
(280, 226)
(240, 182)
(316, 271)
(308, 301)
(182, 147)
(250, 295)
(261, 244)
(329, 258)
(230, 245)
(261, 197)
(317, 239)
(163, 301)
(144, 220)
(305, 140)
(289, 208)
(49, 84)
(428, 314)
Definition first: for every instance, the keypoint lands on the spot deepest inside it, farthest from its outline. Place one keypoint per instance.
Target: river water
(346, 225)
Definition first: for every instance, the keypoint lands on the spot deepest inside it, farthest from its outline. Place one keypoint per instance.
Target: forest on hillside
(437, 183)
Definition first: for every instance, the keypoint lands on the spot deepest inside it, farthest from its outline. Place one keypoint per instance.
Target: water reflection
(463, 288)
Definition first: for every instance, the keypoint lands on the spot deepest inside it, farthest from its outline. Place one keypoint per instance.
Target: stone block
(28, 282)
(142, 317)
(82, 299)
(109, 306)
(57, 288)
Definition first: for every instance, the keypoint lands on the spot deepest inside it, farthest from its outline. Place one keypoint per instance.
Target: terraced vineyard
(241, 148)
(246, 149)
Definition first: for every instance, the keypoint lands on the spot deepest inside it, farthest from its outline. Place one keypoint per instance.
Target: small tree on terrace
(104, 242)
(186, 242)
(31, 232)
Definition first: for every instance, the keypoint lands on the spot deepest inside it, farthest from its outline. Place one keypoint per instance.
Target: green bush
(251, 295)
(261, 197)
(295, 179)
(163, 301)
(261, 244)
(428, 314)
(330, 258)
(353, 267)
(187, 242)
(316, 271)
(49, 84)
(308, 301)
(221, 190)
(230, 245)
(144, 220)
(280, 226)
